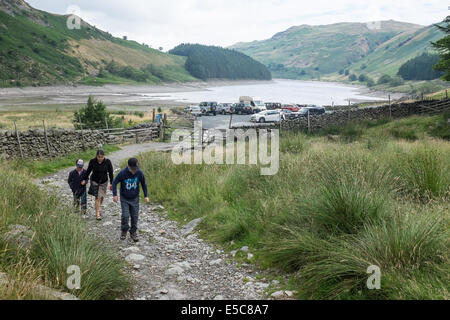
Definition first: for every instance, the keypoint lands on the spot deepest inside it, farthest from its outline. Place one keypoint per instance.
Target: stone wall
(61, 142)
(395, 111)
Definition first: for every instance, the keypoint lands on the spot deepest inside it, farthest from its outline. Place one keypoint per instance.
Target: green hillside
(307, 52)
(211, 62)
(37, 48)
(388, 57)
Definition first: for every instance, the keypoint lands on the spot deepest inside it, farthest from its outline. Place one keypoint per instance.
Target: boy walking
(78, 186)
(129, 179)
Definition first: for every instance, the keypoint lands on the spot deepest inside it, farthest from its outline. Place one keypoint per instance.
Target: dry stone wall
(395, 111)
(60, 142)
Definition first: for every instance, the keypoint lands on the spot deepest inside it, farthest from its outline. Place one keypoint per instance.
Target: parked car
(266, 116)
(290, 107)
(189, 108)
(224, 108)
(313, 111)
(195, 111)
(242, 108)
(273, 105)
(208, 108)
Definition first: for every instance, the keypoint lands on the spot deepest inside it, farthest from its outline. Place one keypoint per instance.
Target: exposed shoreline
(115, 95)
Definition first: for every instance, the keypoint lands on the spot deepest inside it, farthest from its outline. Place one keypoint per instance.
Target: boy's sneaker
(134, 236)
(123, 236)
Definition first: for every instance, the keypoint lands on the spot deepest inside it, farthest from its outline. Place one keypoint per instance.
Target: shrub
(385, 79)
(94, 116)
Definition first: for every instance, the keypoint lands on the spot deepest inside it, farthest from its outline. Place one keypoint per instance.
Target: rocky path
(169, 262)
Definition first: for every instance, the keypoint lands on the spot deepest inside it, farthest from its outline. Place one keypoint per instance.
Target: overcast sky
(167, 23)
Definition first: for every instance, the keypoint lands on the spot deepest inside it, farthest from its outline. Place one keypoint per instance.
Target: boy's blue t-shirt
(129, 184)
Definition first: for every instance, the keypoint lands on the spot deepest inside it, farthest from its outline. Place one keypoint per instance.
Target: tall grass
(60, 240)
(333, 210)
(423, 170)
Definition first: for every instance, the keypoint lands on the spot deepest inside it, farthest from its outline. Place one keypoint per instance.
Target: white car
(195, 111)
(266, 116)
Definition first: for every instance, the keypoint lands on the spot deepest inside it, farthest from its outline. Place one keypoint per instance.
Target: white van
(257, 104)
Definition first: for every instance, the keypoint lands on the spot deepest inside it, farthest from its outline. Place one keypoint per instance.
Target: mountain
(307, 52)
(37, 48)
(392, 54)
(211, 62)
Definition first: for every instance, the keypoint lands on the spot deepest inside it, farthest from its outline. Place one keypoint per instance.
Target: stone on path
(215, 262)
(189, 228)
(134, 257)
(278, 295)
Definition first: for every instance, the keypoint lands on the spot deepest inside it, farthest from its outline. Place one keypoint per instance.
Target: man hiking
(78, 186)
(129, 179)
(101, 168)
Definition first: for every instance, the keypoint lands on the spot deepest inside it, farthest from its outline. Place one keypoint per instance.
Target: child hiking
(78, 186)
(129, 179)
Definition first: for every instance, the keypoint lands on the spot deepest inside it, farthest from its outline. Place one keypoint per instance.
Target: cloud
(225, 22)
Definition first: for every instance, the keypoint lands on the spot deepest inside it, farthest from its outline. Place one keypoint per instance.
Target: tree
(210, 62)
(443, 47)
(420, 68)
(385, 79)
(362, 78)
(353, 77)
(93, 116)
(370, 82)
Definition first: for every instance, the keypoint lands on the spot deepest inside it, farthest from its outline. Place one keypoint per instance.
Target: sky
(167, 23)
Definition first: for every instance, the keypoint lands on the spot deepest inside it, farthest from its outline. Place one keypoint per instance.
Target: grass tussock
(59, 240)
(334, 209)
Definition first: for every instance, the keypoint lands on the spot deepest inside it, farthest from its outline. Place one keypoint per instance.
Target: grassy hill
(307, 52)
(37, 48)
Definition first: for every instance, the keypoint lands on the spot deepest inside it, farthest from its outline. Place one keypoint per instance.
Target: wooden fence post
(390, 107)
(107, 127)
(82, 136)
(309, 123)
(348, 112)
(153, 115)
(123, 130)
(446, 94)
(231, 119)
(18, 140)
(46, 138)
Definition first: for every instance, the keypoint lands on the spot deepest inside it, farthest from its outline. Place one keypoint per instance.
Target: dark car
(316, 110)
(273, 105)
(242, 108)
(208, 108)
(313, 111)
